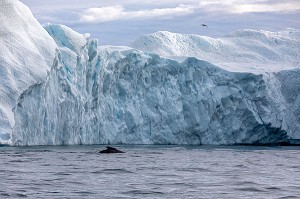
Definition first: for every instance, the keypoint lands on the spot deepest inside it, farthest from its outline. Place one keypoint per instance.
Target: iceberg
(91, 94)
(27, 52)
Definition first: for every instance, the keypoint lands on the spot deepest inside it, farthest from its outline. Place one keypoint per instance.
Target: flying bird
(204, 25)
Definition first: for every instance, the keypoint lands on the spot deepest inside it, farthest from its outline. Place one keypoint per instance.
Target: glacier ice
(254, 51)
(104, 95)
(26, 55)
(119, 95)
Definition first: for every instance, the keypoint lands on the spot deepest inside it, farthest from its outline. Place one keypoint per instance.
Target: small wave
(166, 175)
(62, 174)
(114, 171)
(194, 170)
(288, 197)
(273, 188)
(250, 189)
(247, 183)
(5, 194)
(18, 195)
(40, 151)
(53, 192)
(17, 161)
(84, 193)
(295, 167)
(241, 166)
(143, 192)
(154, 153)
(75, 182)
(151, 168)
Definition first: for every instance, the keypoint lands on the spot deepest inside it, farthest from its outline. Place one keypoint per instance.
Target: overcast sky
(119, 22)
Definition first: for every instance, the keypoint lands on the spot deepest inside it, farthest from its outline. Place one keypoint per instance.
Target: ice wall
(112, 96)
(26, 55)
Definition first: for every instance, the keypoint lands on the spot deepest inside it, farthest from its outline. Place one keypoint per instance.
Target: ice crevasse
(94, 94)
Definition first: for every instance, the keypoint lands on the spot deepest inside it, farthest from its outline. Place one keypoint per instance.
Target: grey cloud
(122, 32)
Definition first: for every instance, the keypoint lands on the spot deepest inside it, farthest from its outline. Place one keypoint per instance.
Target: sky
(116, 22)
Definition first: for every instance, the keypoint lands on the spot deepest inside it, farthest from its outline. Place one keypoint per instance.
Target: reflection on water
(150, 172)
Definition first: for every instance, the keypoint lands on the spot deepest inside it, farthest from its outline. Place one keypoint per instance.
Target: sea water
(150, 172)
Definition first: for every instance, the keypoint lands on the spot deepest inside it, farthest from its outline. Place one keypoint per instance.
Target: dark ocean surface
(150, 172)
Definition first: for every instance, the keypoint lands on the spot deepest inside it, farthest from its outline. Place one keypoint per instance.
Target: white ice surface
(26, 55)
(255, 51)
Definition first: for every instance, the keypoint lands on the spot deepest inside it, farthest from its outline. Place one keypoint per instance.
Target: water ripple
(143, 192)
(150, 172)
(116, 171)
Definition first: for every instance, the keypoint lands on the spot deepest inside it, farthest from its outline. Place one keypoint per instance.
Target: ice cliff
(118, 95)
(26, 55)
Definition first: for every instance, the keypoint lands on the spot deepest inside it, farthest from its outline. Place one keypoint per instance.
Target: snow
(26, 55)
(58, 87)
(253, 51)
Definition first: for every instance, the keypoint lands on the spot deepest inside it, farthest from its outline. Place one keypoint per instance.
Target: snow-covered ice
(119, 95)
(254, 51)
